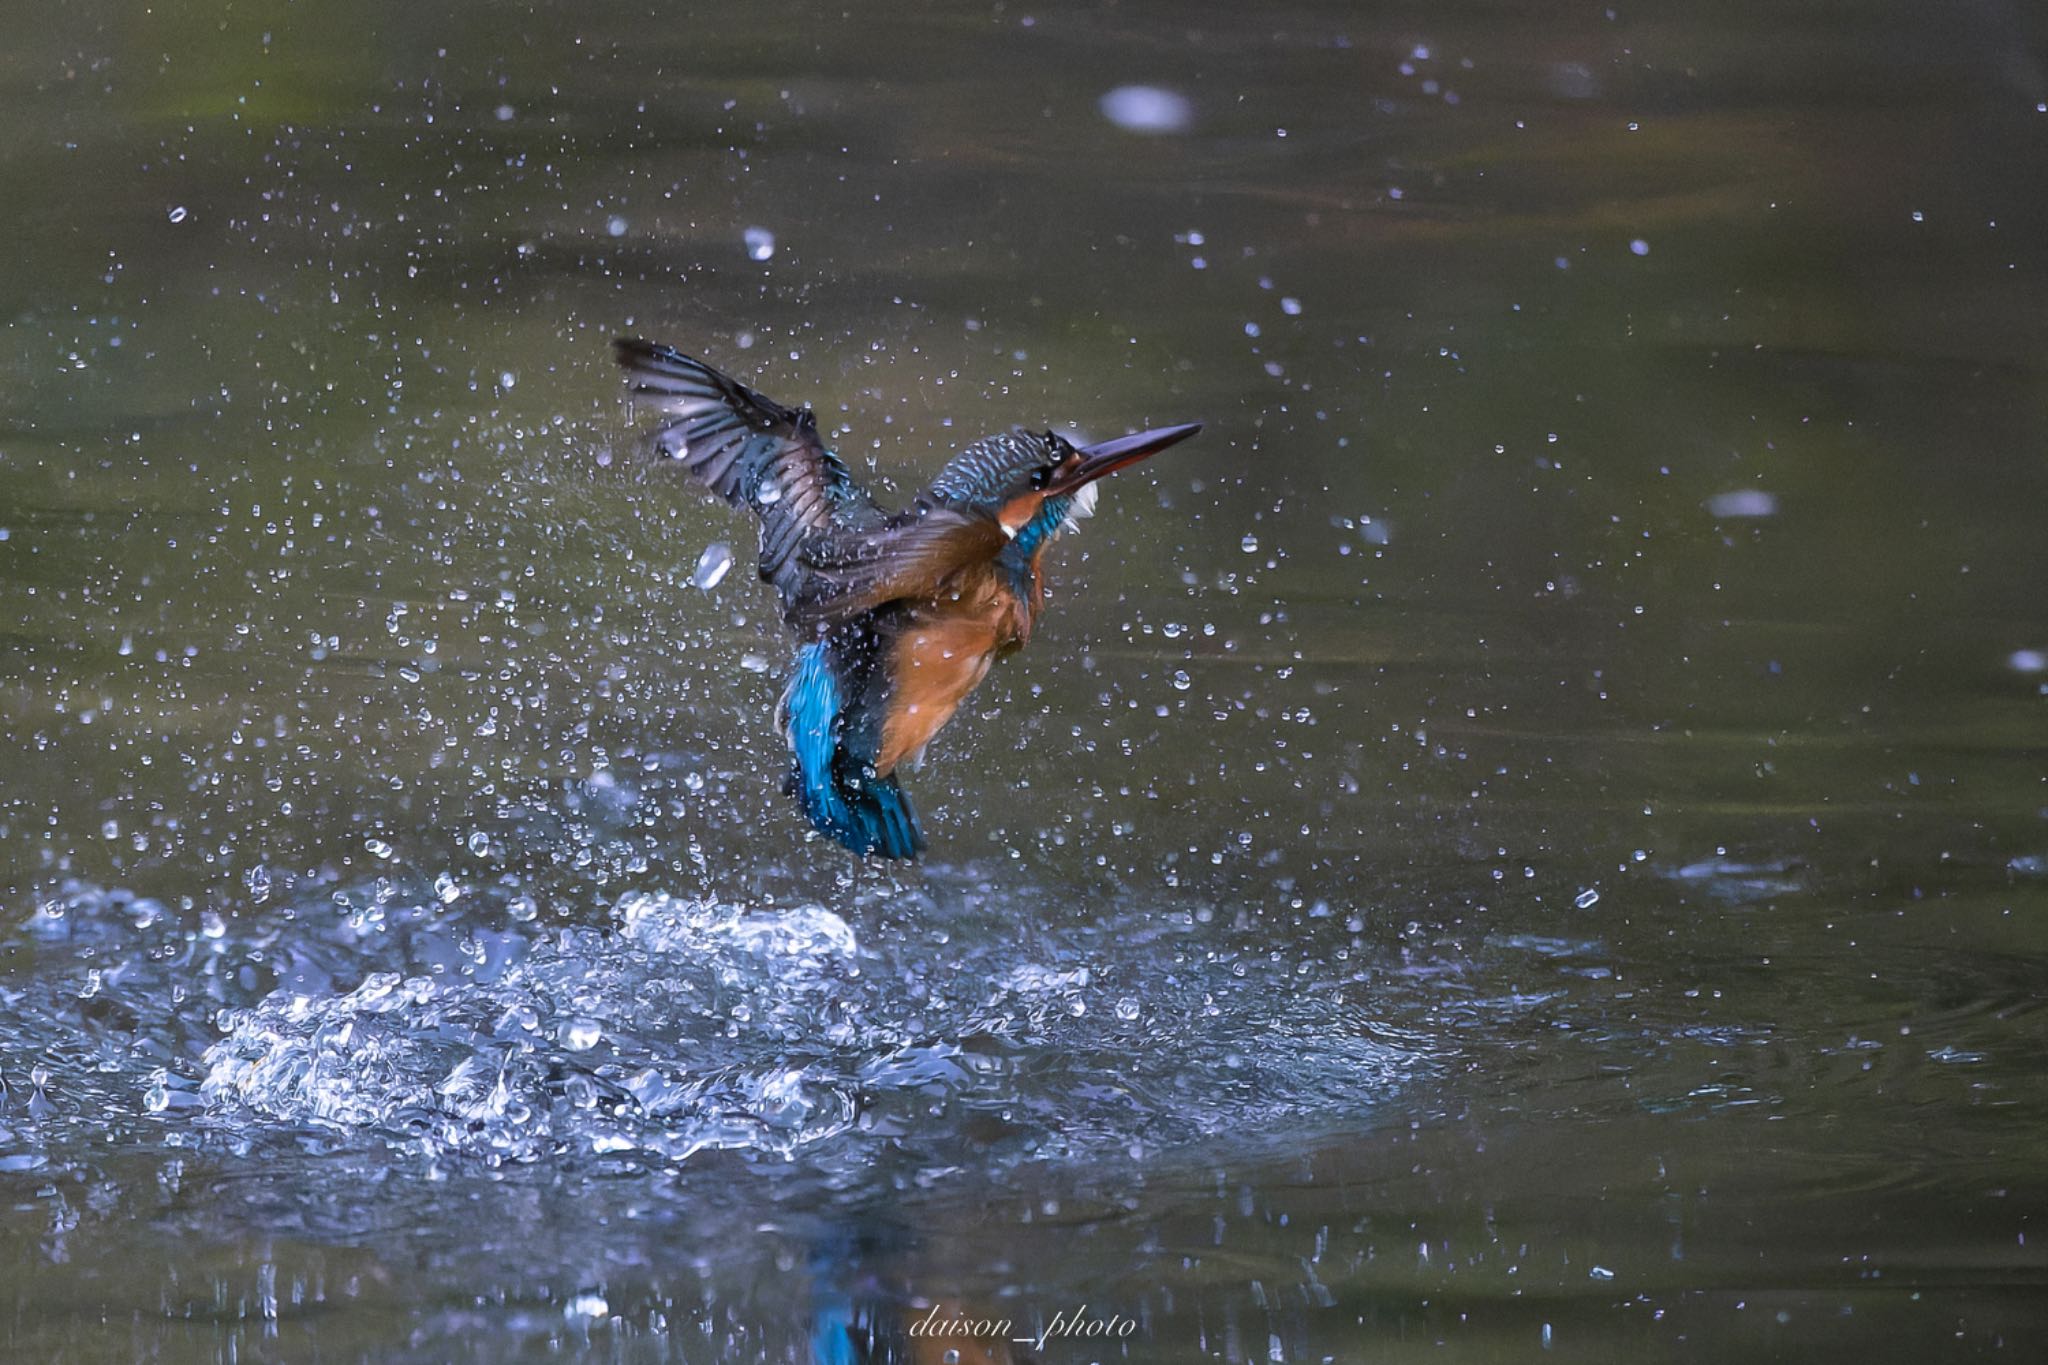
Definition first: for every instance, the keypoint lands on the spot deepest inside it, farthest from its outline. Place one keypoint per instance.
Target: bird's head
(1036, 484)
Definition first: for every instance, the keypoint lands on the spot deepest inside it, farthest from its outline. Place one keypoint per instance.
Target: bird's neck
(1019, 572)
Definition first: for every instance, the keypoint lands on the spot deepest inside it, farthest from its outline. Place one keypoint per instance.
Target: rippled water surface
(1530, 834)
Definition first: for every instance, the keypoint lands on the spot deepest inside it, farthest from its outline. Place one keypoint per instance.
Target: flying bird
(898, 615)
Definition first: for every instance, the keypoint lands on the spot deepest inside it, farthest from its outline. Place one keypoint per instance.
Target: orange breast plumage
(940, 657)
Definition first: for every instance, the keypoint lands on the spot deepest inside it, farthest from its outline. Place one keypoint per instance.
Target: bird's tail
(838, 789)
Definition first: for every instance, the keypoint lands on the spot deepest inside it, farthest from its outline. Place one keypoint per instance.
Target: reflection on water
(1532, 836)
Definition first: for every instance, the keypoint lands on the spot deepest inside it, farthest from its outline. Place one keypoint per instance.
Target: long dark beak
(1110, 456)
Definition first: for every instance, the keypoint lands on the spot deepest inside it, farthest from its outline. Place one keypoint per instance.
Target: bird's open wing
(748, 449)
(847, 572)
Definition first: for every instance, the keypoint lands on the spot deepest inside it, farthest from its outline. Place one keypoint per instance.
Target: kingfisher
(898, 615)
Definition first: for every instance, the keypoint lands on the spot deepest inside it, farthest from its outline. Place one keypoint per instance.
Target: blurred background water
(1532, 833)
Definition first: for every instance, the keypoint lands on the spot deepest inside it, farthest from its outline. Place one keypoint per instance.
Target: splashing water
(685, 1025)
(574, 1047)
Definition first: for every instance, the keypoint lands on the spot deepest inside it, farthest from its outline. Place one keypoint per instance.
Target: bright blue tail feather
(837, 788)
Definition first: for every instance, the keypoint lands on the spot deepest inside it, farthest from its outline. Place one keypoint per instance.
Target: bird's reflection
(866, 1309)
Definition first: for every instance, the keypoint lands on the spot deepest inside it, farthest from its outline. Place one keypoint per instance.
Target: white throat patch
(1082, 506)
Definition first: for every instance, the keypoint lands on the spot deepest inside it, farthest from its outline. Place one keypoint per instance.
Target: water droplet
(1587, 899)
(581, 1035)
(712, 566)
(479, 843)
(1147, 109)
(1639, 247)
(2029, 661)
(177, 213)
(1743, 502)
(377, 848)
(1250, 544)
(1291, 307)
(1181, 681)
(615, 226)
(760, 243)
(586, 1307)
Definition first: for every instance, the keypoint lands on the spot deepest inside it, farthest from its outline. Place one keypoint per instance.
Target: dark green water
(1531, 833)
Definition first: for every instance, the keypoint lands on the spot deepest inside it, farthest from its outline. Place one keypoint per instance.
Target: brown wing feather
(850, 572)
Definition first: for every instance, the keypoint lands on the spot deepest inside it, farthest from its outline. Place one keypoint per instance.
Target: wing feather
(825, 546)
(911, 558)
(748, 449)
